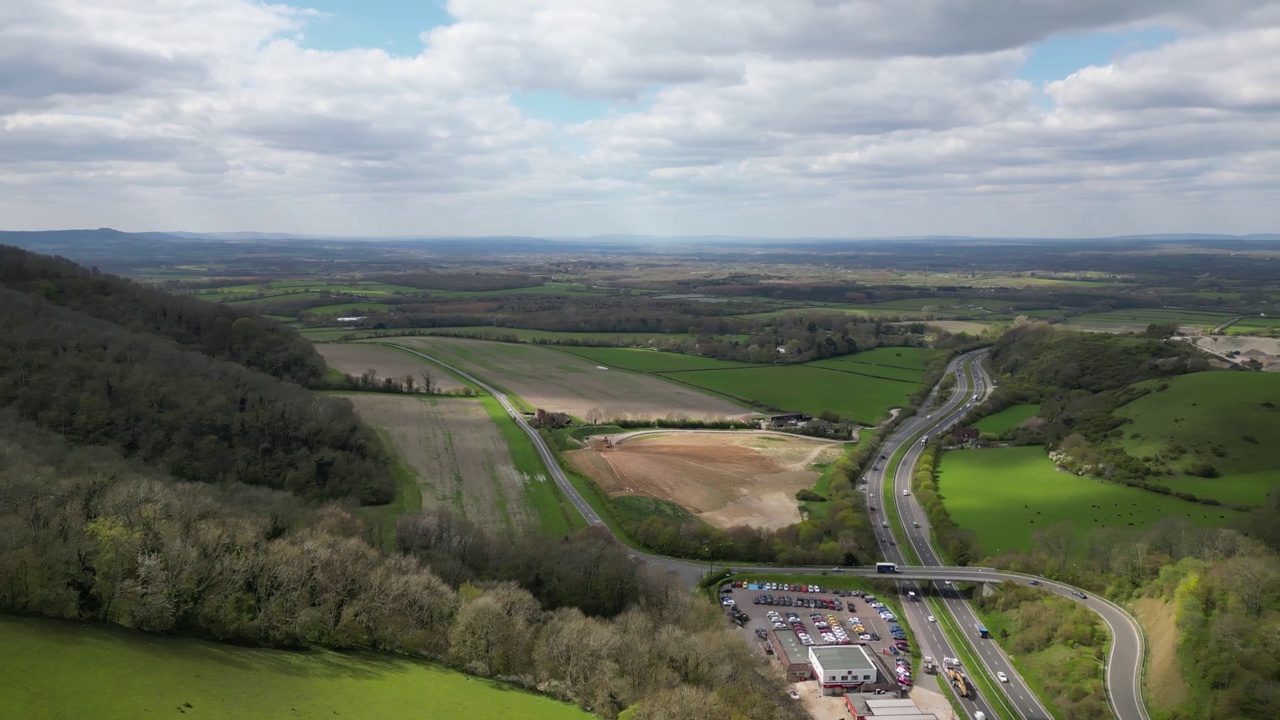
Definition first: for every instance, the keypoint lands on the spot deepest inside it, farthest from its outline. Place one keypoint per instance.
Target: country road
(1124, 661)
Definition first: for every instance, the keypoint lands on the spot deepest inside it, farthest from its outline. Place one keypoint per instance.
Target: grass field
(555, 512)
(1255, 326)
(650, 360)
(1136, 320)
(330, 334)
(60, 670)
(352, 307)
(1227, 419)
(1007, 419)
(1005, 495)
(805, 388)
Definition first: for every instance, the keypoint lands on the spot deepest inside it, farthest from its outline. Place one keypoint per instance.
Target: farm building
(791, 655)
(842, 668)
(965, 434)
(783, 420)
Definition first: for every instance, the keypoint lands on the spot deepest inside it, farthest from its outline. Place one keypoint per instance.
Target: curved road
(1124, 661)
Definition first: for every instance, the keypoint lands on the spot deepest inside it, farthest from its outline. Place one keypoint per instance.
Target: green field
(804, 388)
(906, 364)
(651, 360)
(637, 508)
(545, 289)
(1007, 419)
(1227, 419)
(1255, 326)
(61, 670)
(343, 308)
(525, 335)
(1138, 319)
(1006, 494)
(556, 513)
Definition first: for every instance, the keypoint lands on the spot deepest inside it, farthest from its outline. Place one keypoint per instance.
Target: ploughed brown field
(725, 479)
(353, 359)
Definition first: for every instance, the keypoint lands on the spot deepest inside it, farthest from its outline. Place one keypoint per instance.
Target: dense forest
(86, 534)
(102, 362)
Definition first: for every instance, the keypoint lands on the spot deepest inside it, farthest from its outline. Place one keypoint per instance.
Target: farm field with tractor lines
(458, 455)
(724, 479)
(559, 382)
(388, 362)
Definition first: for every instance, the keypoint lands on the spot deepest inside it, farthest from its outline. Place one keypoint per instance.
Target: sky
(776, 118)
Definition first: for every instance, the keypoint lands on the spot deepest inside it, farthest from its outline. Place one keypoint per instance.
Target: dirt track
(353, 359)
(724, 479)
(457, 453)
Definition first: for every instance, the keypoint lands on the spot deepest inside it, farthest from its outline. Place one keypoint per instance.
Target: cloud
(789, 117)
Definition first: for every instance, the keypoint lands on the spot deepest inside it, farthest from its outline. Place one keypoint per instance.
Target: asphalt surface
(1124, 661)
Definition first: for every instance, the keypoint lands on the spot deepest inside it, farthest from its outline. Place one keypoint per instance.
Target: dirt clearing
(457, 453)
(1166, 687)
(352, 359)
(724, 479)
(559, 382)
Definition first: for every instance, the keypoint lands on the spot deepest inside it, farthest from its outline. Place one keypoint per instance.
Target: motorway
(1124, 662)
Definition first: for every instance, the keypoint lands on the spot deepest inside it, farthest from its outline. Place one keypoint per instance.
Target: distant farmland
(1137, 320)
(1005, 495)
(356, 358)
(557, 381)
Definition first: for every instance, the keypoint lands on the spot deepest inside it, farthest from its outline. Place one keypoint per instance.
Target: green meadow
(1004, 495)
(1229, 420)
(804, 388)
(58, 670)
(1007, 419)
(650, 360)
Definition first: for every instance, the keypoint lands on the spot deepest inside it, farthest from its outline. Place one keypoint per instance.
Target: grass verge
(555, 513)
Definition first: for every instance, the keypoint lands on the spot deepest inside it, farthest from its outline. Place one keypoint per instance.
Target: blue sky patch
(391, 25)
(1057, 57)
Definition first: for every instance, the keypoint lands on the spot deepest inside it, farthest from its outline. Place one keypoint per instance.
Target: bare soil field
(556, 381)
(457, 453)
(724, 479)
(355, 359)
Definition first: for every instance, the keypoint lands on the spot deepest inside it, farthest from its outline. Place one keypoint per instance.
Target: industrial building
(865, 708)
(842, 668)
(791, 654)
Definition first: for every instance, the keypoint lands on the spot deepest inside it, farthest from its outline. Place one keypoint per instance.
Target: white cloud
(789, 117)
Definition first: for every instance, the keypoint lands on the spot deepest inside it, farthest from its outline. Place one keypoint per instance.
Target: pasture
(355, 308)
(557, 381)
(459, 458)
(388, 362)
(1228, 420)
(653, 361)
(722, 478)
(56, 669)
(809, 389)
(1007, 419)
(1137, 320)
(1004, 495)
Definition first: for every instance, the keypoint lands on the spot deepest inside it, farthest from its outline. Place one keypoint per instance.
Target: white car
(906, 492)
(1002, 677)
(932, 619)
